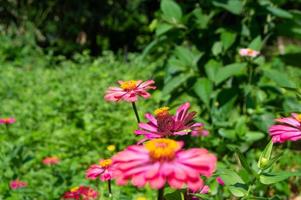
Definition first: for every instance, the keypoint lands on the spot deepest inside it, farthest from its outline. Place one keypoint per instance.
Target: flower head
(161, 161)
(103, 170)
(288, 129)
(16, 184)
(163, 124)
(81, 192)
(129, 90)
(7, 120)
(52, 160)
(248, 52)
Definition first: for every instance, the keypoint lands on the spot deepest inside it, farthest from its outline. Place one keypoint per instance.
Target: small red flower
(7, 120)
(129, 90)
(16, 184)
(52, 160)
(103, 170)
(81, 193)
(220, 181)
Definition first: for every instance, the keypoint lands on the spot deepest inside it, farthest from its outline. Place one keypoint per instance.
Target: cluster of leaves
(61, 111)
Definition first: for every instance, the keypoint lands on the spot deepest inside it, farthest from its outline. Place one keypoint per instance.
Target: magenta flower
(7, 120)
(81, 193)
(52, 160)
(129, 90)
(103, 170)
(220, 181)
(288, 129)
(164, 124)
(248, 52)
(161, 161)
(16, 184)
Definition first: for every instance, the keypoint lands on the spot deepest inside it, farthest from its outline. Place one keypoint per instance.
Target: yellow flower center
(74, 189)
(105, 163)
(298, 117)
(129, 85)
(162, 149)
(111, 147)
(163, 111)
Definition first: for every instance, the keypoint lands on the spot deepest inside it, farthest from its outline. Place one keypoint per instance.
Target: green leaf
(280, 78)
(175, 82)
(244, 162)
(279, 12)
(227, 133)
(227, 38)
(234, 182)
(256, 43)
(163, 28)
(217, 48)
(271, 178)
(203, 88)
(188, 56)
(229, 71)
(171, 10)
(176, 195)
(272, 161)
(233, 6)
(253, 136)
(211, 68)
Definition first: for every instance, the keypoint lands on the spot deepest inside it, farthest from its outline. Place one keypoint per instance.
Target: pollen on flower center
(163, 111)
(162, 149)
(105, 163)
(128, 85)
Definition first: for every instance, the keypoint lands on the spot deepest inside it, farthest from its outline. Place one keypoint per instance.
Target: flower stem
(110, 188)
(161, 194)
(136, 112)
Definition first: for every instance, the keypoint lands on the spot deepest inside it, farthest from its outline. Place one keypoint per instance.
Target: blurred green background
(58, 57)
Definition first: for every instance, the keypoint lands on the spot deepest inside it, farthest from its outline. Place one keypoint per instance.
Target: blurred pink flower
(129, 90)
(220, 181)
(7, 120)
(16, 184)
(81, 193)
(103, 170)
(162, 160)
(289, 129)
(52, 160)
(248, 52)
(164, 124)
(204, 190)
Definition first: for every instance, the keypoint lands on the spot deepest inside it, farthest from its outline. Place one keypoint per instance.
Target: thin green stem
(110, 189)
(136, 111)
(161, 194)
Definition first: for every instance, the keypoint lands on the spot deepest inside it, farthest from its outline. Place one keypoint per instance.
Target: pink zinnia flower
(103, 170)
(7, 120)
(81, 192)
(52, 160)
(289, 129)
(164, 124)
(129, 90)
(220, 181)
(16, 184)
(248, 52)
(162, 160)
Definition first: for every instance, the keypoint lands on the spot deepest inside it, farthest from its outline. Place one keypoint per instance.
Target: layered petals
(166, 163)
(16, 184)
(163, 124)
(129, 91)
(248, 52)
(103, 170)
(81, 192)
(287, 129)
(8, 120)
